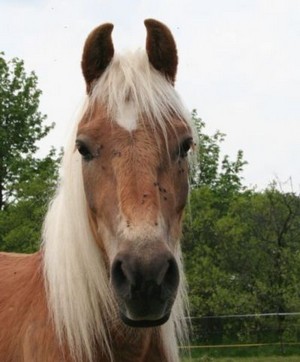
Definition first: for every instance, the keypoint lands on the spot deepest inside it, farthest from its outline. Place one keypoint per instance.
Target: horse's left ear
(161, 49)
(97, 53)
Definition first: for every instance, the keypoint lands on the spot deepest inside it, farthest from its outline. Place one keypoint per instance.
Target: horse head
(133, 139)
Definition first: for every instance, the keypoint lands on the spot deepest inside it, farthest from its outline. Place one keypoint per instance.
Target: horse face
(136, 185)
(135, 175)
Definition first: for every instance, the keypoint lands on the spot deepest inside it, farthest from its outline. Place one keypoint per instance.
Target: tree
(219, 174)
(241, 247)
(215, 183)
(21, 123)
(26, 182)
(21, 220)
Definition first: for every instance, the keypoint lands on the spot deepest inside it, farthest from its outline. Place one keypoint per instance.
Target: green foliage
(210, 170)
(21, 220)
(26, 182)
(243, 259)
(241, 246)
(21, 123)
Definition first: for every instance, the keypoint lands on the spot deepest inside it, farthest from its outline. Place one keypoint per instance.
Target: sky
(239, 66)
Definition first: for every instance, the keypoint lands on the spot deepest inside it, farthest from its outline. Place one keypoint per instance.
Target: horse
(107, 283)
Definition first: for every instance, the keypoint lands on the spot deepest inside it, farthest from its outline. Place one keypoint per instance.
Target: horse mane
(77, 282)
(131, 79)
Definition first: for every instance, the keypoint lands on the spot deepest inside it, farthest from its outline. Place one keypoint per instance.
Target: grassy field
(266, 353)
(245, 359)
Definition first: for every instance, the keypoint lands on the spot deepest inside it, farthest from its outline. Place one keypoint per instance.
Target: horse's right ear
(97, 53)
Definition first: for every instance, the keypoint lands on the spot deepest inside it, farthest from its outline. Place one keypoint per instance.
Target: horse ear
(161, 49)
(97, 53)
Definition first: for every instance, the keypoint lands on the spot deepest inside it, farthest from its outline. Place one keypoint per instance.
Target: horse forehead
(127, 126)
(104, 130)
(127, 116)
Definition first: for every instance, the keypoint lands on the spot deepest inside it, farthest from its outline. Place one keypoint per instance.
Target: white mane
(130, 78)
(79, 294)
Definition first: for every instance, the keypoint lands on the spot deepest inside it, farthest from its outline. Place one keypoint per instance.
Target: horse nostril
(172, 274)
(117, 273)
(119, 278)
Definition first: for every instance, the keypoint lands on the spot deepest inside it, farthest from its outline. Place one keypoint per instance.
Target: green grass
(265, 353)
(245, 359)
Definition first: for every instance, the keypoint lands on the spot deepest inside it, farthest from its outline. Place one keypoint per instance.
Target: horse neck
(137, 345)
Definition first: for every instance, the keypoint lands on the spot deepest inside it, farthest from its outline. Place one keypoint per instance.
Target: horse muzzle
(145, 283)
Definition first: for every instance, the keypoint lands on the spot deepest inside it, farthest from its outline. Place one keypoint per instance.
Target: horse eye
(185, 147)
(84, 151)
